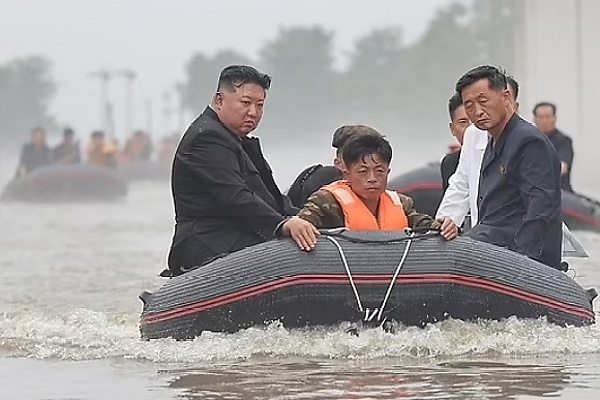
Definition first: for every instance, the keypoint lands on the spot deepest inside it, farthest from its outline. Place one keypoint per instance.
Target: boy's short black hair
(360, 146)
(453, 104)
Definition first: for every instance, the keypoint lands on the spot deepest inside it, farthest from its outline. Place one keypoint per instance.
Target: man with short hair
(316, 176)
(223, 189)
(545, 119)
(34, 154)
(460, 197)
(361, 201)
(67, 152)
(519, 200)
(458, 124)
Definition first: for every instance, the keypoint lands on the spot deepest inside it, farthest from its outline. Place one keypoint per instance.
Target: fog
(157, 39)
(73, 269)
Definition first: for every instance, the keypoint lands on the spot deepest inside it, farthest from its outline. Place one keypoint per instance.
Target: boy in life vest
(361, 201)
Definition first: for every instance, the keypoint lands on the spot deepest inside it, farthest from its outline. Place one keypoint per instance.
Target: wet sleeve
(539, 188)
(415, 218)
(216, 165)
(323, 211)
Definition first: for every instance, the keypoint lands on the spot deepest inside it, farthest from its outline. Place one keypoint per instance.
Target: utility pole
(104, 77)
(129, 76)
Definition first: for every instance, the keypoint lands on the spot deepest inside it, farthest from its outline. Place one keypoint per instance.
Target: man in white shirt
(460, 197)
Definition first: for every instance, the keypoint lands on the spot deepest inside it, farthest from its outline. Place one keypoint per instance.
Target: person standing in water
(545, 119)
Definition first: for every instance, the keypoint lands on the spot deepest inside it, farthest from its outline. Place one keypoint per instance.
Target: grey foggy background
(157, 39)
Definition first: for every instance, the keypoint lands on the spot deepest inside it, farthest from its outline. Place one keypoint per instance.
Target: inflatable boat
(67, 183)
(424, 185)
(146, 171)
(362, 277)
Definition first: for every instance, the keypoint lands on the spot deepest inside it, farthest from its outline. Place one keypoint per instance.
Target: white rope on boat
(370, 316)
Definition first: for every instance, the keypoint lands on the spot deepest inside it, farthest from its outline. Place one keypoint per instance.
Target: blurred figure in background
(35, 153)
(68, 151)
(101, 152)
(545, 119)
(137, 148)
(167, 148)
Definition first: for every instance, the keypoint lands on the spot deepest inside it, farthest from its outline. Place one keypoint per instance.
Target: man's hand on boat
(303, 232)
(448, 228)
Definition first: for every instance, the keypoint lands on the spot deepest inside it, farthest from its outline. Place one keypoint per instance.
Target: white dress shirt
(463, 185)
(463, 189)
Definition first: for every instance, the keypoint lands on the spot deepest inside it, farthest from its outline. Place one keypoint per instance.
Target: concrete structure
(558, 60)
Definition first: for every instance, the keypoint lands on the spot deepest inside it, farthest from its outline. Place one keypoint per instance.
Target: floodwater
(69, 328)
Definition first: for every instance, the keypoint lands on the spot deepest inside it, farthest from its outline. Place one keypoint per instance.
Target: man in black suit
(223, 188)
(545, 119)
(519, 199)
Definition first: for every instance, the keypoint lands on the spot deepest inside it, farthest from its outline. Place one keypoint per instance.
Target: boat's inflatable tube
(424, 185)
(66, 183)
(348, 277)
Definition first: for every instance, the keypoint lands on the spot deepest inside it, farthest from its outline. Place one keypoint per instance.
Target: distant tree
(26, 89)
(300, 61)
(202, 73)
(434, 63)
(374, 79)
(493, 30)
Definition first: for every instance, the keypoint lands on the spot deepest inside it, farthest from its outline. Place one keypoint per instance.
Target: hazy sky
(156, 38)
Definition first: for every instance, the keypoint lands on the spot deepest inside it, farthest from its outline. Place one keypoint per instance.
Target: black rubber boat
(424, 185)
(363, 276)
(67, 183)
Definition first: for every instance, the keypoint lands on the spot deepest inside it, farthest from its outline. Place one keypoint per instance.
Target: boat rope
(369, 315)
(347, 267)
(411, 234)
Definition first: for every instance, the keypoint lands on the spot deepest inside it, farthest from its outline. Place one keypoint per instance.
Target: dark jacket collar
(212, 114)
(510, 125)
(494, 149)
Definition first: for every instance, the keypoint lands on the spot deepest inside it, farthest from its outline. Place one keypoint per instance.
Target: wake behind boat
(369, 276)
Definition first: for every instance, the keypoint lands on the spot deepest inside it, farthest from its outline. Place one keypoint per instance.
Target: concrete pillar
(558, 59)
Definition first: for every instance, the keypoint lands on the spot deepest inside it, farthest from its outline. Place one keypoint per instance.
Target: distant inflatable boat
(424, 185)
(374, 277)
(146, 171)
(67, 183)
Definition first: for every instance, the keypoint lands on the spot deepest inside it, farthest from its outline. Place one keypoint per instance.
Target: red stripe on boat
(281, 283)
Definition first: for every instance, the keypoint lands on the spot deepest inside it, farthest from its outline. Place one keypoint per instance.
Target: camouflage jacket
(324, 212)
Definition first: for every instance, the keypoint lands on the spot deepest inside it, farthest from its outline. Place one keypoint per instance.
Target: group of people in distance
(99, 151)
(226, 199)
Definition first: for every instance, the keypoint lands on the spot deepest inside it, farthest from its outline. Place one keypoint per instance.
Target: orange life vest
(390, 214)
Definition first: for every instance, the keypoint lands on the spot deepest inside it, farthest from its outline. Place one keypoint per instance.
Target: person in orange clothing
(361, 201)
(101, 152)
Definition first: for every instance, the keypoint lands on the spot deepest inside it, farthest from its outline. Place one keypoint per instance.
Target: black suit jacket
(224, 194)
(448, 167)
(564, 147)
(519, 194)
(310, 180)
